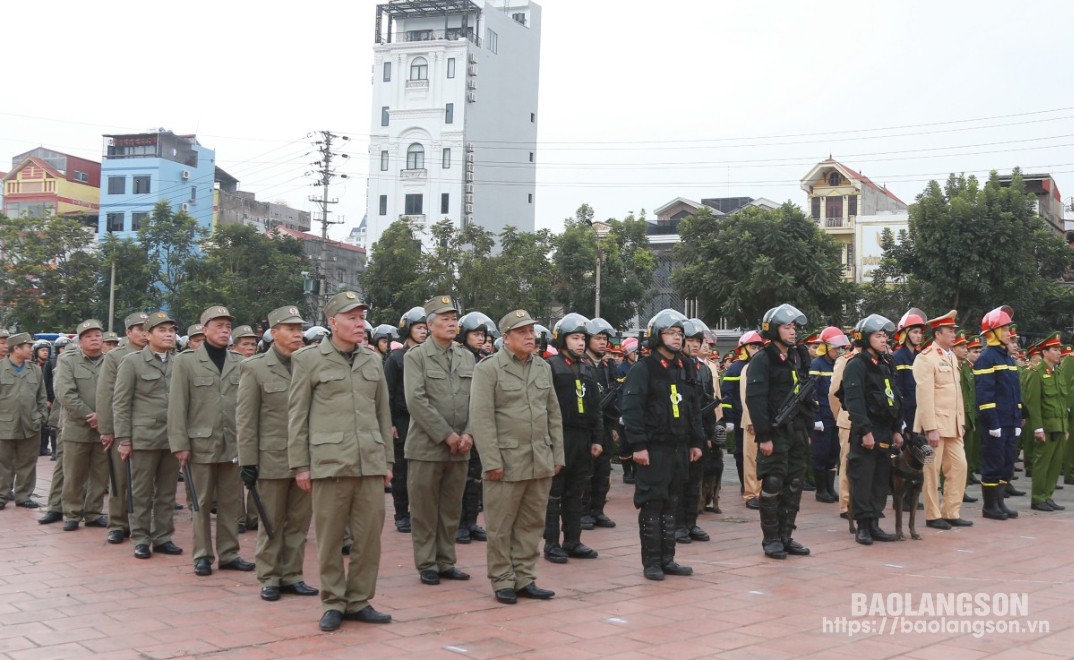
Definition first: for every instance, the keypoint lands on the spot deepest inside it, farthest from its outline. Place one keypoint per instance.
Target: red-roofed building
(838, 195)
(346, 262)
(45, 182)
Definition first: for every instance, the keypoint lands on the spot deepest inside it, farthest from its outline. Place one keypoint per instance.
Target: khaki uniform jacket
(842, 417)
(261, 415)
(201, 406)
(745, 422)
(76, 391)
(140, 400)
(339, 423)
(106, 384)
(1046, 398)
(515, 415)
(939, 393)
(438, 398)
(23, 401)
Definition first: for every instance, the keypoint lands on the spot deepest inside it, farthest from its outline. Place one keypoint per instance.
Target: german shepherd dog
(907, 479)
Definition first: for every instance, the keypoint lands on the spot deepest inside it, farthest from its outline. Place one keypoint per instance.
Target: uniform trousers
(869, 471)
(1047, 461)
(437, 487)
(751, 485)
(825, 448)
(357, 503)
(155, 475)
(117, 503)
(569, 488)
(950, 458)
(289, 509)
(55, 489)
(85, 474)
(400, 497)
(997, 455)
(219, 483)
(18, 467)
(514, 517)
(844, 480)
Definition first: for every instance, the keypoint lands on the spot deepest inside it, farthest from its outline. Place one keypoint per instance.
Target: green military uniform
(1066, 371)
(261, 415)
(140, 407)
(118, 525)
(437, 384)
(85, 464)
(1046, 399)
(518, 428)
(22, 412)
(339, 432)
(1025, 442)
(201, 420)
(969, 407)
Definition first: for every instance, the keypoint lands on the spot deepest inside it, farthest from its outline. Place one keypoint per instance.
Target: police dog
(907, 478)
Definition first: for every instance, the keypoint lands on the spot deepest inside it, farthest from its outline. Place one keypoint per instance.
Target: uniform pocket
(330, 376)
(203, 381)
(152, 375)
(271, 388)
(372, 374)
(326, 438)
(435, 374)
(506, 443)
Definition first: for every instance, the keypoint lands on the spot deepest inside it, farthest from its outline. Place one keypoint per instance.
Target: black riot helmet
(695, 329)
(778, 316)
(407, 321)
(869, 325)
(597, 326)
(664, 319)
(384, 331)
(570, 324)
(473, 322)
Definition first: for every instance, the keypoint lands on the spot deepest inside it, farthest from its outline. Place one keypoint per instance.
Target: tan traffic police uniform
(940, 408)
(842, 420)
(261, 415)
(751, 485)
(340, 430)
(201, 420)
(518, 427)
(23, 406)
(437, 384)
(118, 525)
(85, 463)
(140, 413)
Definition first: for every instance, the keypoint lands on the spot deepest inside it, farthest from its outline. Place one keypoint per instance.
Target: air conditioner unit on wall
(469, 158)
(473, 58)
(469, 189)
(471, 97)
(472, 84)
(469, 176)
(184, 207)
(469, 208)
(470, 146)
(186, 175)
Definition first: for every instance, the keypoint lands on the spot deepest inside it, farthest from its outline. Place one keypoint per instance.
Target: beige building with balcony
(838, 195)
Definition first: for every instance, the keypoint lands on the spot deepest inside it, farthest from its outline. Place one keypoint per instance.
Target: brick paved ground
(65, 595)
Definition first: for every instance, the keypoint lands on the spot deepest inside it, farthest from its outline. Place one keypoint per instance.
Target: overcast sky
(640, 102)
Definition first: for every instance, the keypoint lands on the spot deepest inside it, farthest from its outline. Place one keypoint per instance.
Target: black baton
(130, 487)
(191, 492)
(112, 474)
(261, 510)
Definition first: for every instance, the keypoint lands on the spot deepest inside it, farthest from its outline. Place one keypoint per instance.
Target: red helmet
(629, 345)
(750, 337)
(997, 318)
(911, 318)
(833, 336)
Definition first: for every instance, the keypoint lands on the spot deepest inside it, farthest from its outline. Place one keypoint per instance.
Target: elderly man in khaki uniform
(340, 445)
(136, 340)
(201, 433)
(261, 416)
(436, 379)
(23, 405)
(140, 413)
(85, 463)
(518, 430)
(942, 418)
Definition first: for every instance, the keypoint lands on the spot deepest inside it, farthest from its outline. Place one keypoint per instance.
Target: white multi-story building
(454, 121)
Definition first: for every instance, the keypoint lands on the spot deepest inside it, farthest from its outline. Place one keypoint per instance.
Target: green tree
(524, 275)
(394, 278)
(741, 265)
(172, 241)
(50, 273)
(134, 279)
(477, 282)
(886, 293)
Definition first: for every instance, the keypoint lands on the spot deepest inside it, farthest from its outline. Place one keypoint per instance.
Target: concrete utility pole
(325, 174)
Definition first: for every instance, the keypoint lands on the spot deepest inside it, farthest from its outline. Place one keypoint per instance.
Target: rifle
(260, 510)
(612, 394)
(114, 492)
(710, 406)
(191, 492)
(793, 403)
(130, 486)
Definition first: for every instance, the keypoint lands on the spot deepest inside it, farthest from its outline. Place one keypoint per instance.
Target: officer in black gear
(775, 376)
(583, 430)
(600, 334)
(663, 429)
(472, 333)
(871, 398)
(412, 330)
(700, 379)
(383, 336)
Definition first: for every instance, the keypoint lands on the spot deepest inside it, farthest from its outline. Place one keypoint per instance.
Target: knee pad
(795, 485)
(771, 485)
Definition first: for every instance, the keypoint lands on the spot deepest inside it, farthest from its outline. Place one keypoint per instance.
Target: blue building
(141, 169)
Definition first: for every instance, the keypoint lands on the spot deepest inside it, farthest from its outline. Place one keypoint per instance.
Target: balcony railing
(451, 34)
(413, 174)
(833, 222)
(417, 84)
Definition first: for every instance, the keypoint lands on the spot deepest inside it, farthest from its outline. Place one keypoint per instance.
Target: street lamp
(601, 229)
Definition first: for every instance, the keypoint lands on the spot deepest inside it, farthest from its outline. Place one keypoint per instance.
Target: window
(384, 115)
(815, 203)
(138, 220)
(529, 198)
(531, 156)
(419, 69)
(193, 193)
(415, 157)
(114, 222)
(852, 205)
(449, 113)
(387, 72)
(833, 207)
(445, 202)
(141, 185)
(850, 257)
(384, 205)
(81, 176)
(833, 179)
(446, 158)
(384, 161)
(451, 67)
(519, 17)
(413, 205)
(492, 40)
(117, 185)
(533, 117)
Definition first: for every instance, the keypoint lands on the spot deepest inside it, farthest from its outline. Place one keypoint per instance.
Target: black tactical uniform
(393, 374)
(605, 373)
(469, 530)
(700, 380)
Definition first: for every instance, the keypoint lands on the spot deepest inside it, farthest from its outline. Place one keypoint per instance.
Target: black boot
(1009, 490)
(628, 471)
(825, 486)
(651, 541)
(832, 477)
(771, 541)
(1001, 494)
(788, 514)
(863, 536)
(693, 532)
(667, 554)
(878, 534)
(991, 509)
(551, 522)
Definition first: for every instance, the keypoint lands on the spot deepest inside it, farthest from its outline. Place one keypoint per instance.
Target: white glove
(1017, 431)
(995, 433)
(729, 427)
(818, 426)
